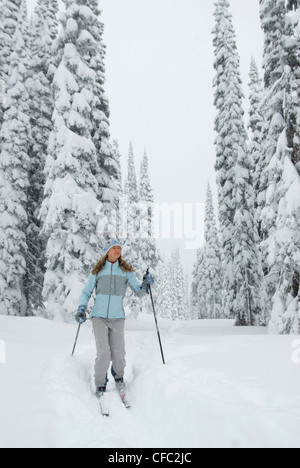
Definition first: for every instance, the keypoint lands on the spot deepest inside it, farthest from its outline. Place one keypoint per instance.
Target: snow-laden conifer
(258, 131)
(147, 241)
(14, 162)
(131, 225)
(179, 293)
(92, 49)
(117, 158)
(72, 167)
(170, 290)
(9, 13)
(230, 140)
(43, 32)
(292, 101)
(280, 179)
(131, 221)
(131, 184)
(284, 252)
(273, 15)
(213, 261)
(247, 264)
(234, 176)
(116, 208)
(146, 196)
(162, 291)
(208, 274)
(199, 286)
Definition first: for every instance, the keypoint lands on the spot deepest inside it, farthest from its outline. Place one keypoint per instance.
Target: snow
(222, 386)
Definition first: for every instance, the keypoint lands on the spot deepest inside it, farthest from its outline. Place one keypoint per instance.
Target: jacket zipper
(110, 291)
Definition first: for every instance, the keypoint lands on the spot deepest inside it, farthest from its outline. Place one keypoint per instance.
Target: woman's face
(114, 254)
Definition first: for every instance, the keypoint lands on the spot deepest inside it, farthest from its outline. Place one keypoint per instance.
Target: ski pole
(157, 329)
(76, 339)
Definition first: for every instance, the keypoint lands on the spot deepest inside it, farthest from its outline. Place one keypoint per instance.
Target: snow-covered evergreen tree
(139, 246)
(131, 211)
(146, 192)
(131, 184)
(9, 13)
(179, 293)
(231, 137)
(273, 23)
(116, 207)
(273, 16)
(170, 290)
(92, 48)
(72, 167)
(9, 18)
(284, 258)
(15, 139)
(213, 262)
(117, 159)
(280, 179)
(147, 242)
(234, 177)
(43, 32)
(208, 274)
(131, 228)
(258, 130)
(230, 141)
(162, 290)
(247, 262)
(199, 286)
(292, 101)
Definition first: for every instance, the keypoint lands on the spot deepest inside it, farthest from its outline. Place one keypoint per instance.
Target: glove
(81, 314)
(148, 278)
(148, 281)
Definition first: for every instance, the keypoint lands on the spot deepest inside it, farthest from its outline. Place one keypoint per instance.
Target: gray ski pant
(110, 344)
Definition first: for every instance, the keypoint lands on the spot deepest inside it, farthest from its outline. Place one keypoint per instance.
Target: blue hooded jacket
(110, 284)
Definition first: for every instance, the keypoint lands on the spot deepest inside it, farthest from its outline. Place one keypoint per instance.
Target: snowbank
(221, 387)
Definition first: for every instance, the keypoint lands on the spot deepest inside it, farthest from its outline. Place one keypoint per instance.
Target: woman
(110, 278)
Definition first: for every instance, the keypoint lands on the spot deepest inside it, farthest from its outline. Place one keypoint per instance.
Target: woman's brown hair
(99, 266)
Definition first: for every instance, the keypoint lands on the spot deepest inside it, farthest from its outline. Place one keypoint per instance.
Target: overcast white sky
(159, 72)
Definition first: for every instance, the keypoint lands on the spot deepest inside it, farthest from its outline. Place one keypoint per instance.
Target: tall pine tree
(74, 179)
(147, 241)
(43, 33)
(258, 131)
(213, 261)
(234, 170)
(9, 13)
(273, 16)
(280, 178)
(131, 221)
(231, 138)
(15, 139)
(208, 273)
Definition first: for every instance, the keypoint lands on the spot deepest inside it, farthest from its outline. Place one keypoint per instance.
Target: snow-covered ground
(221, 387)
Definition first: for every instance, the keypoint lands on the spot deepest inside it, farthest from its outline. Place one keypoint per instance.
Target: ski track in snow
(221, 387)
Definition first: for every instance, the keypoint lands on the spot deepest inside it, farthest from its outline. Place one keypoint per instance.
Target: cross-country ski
(104, 404)
(105, 396)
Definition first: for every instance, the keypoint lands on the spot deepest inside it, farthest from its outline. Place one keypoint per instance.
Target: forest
(62, 185)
